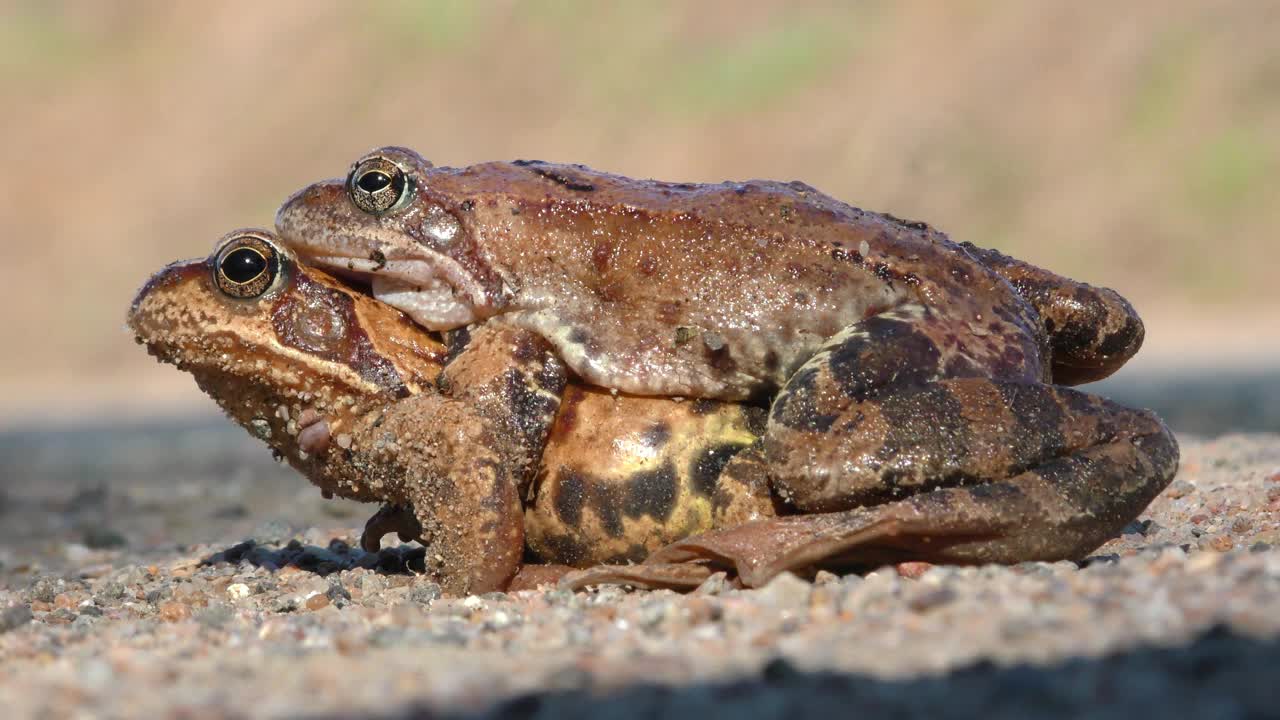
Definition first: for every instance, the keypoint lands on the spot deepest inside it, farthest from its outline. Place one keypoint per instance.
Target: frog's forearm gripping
(447, 462)
(514, 379)
(1092, 331)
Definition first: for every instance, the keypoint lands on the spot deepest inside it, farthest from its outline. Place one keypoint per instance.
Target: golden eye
(246, 266)
(376, 185)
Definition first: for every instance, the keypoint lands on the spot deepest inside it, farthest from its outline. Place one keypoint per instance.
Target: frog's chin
(437, 295)
(433, 305)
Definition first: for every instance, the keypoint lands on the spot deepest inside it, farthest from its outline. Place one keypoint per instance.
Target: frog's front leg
(454, 462)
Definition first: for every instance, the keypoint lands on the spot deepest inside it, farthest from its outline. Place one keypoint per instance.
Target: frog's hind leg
(1077, 468)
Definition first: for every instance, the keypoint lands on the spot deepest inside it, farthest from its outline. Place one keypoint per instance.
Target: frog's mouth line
(427, 291)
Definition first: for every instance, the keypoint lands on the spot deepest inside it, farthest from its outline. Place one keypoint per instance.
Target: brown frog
(914, 384)
(332, 380)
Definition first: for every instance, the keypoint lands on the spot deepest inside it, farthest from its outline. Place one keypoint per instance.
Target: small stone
(913, 570)
(61, 616)
(426, 592)
(285, 604)
(825, 577)
(238, 591)
(785, 591)
(338, 594)
(161, 593)
(371, 583)
(90, 610)
(715, 584)
(13, 617)
(317, 601)
(172, 611)
(111, 590)
(1259, 547)
(1222, 543)
(216, 615)
(46, 589)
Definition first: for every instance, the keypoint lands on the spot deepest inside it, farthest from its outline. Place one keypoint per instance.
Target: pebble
(13, 617)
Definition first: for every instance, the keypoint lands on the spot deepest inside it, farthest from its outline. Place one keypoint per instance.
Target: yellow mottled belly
(624, 475)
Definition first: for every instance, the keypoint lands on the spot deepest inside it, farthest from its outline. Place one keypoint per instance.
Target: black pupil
(243, 265)
(373, 181)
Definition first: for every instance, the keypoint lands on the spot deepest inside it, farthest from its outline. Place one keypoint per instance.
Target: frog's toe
(398, 519)
(679, 576)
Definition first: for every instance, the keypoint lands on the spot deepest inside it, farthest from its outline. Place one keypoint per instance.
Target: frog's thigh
(831, 444)
(1068, 490)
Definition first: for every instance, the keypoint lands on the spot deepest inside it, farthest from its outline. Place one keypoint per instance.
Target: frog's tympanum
(914, 385)
(350, 392)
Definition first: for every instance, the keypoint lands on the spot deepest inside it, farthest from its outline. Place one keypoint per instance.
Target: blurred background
(1136, 147)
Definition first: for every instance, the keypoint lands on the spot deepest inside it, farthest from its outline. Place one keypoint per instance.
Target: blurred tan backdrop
(1133, 144)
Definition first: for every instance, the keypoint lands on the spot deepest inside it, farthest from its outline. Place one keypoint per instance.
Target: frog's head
(268, 338)
(385, 222)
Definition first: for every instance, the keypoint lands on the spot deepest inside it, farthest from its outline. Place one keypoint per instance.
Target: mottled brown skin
(910, 378)
(356, 397)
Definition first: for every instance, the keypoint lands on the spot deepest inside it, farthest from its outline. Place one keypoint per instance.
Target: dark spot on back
(569, 496)
(565, 549)
(891, 352)
(909, 224)
(530, 412)
(606, 503)
(379, 260)
(578, 336)
(1040, 423)
(926, 430)
(704, 474)
(796, 406)
(756, 419)
(1122, 341)
(652, 493)
(467, 205)
(557, 176)
(527, 347)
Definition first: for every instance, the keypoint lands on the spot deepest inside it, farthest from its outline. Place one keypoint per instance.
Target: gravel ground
(128, 588)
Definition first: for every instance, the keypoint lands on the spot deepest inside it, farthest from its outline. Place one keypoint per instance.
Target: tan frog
(913, 383)
(329, 378)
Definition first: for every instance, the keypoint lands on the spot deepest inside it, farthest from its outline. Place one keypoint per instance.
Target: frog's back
(717, 290)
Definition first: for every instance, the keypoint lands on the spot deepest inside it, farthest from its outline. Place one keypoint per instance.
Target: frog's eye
(376, 185)
(246, 266)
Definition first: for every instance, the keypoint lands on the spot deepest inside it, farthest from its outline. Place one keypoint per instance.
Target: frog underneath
(330, 379)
